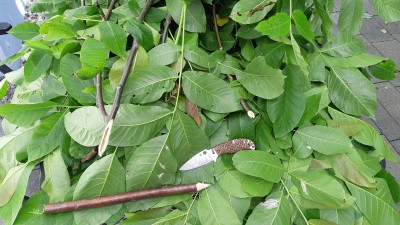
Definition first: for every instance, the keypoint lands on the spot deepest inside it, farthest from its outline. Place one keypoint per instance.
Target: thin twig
(89, 155)
(168, 20)
(128, 66)
(99, 97)
(100, 10)
(216, 28)
(246, 107)
(230, 78)
(110, 8)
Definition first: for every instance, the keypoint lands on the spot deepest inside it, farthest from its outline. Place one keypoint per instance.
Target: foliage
(317, 161)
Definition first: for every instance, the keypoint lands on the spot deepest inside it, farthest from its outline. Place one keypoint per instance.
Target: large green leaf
(389, 10)
(185, 138)
(164, 54)
(275, 210)
(276, 25)
(69, 64)
(385, 70)
(106, 176)
(37, 65)
(149, 84)
(327, 23)
(195, 14)
(54, 30)
(351, 16)
(286, 110)
(25, 31)
(213, 209)
(174, 217)
(351, 92)
(374, 206)
(209, 92)
(141, 123)
(231, 182)
(320, 187)
(47, 136)
(344, 45)
(93, 58)
(140, 32)
(247, 12)
(360, 60)
(256, 186)
(12, 192)
(259, 164)
(339, 216)
(151, 165)
(198, 56)
(25, 114)
(241, 126)
(114, 37)
(260, 79)
(325, 140)
(57, 180)
(302, 25)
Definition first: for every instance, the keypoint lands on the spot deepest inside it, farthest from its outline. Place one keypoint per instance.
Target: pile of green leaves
(317, 161)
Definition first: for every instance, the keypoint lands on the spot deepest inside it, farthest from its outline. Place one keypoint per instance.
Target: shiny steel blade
(202, 158)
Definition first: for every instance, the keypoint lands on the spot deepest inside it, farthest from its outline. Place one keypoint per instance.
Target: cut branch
(246, 107)
(167, 23)
(128, 66)
(216, 28)
(121, 198)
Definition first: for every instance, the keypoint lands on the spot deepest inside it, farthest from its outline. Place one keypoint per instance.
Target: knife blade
(208, 155)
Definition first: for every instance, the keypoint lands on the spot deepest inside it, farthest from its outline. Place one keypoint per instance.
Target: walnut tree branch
(100, 10)
(168, 20)
(99, 97)
(128, 66)
(216, 28)
(110, 8)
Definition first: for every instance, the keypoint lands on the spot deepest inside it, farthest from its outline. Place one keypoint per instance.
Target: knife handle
(233, 146)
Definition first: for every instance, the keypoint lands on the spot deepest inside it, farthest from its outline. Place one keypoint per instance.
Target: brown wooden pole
(121, 198)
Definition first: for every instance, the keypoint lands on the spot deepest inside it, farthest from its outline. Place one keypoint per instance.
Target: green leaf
(256, 186)
(286, 110)
(389, 10)
(3, 88)
(147, 217)
(47, 136)
(344, 45)
(151, 165)
(275, 210)
(105, 176)
(69, 64)
(140, 32)
(385, 70)
(360, 60)
(326, 140)
(93, 58)
(25, 114)
(351, 92)
(37, 65)
(210, 42)
(259, 164)
(241, 126)
(114, 37)
(11, 205)
(276, 25)
(351, 16)
(214, 209)
(273, 53)
(209, 92)
(186, 139)
(326, 25)
(25, 31)
(302, 25)
(320, 222)
(195, 15)
(260, 79)
(149, 84)
(381, 211)
(339, 216)
(65, 47)
(57, 30)
(248, 12)
(320, 187)
(57, 180)
(198, 56)
(164, 54)
(174, 217)
(231, 182)
(394, 187)
(86, 125)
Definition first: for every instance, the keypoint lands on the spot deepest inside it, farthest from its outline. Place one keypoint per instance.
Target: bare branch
(99, 97)
(246, 107)
(100, 10)
(110, 8)
(216, 28)
(168, 20)
(90, 155)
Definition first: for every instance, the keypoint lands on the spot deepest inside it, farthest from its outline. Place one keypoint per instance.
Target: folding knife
(209, 155)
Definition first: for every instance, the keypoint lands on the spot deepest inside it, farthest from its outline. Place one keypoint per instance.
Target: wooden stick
(121, 198)
(216, 28)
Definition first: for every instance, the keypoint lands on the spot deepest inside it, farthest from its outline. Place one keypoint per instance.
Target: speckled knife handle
(233, 146)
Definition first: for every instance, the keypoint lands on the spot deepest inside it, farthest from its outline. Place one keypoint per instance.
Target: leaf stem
(168, 20)
(216, 28)
(190, 207)
(128, 66)
(181, 23)
(297, 206)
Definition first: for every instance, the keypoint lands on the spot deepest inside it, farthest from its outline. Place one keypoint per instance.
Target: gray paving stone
(388, 97)
(372, 31)
(391, 28)
(386, 124)
(33, 183)
(372, 123)
(389, 49)
(370, 48)
(335, 17)
(394, 167)
(396, 81)
(396, 36)
(369, 8)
